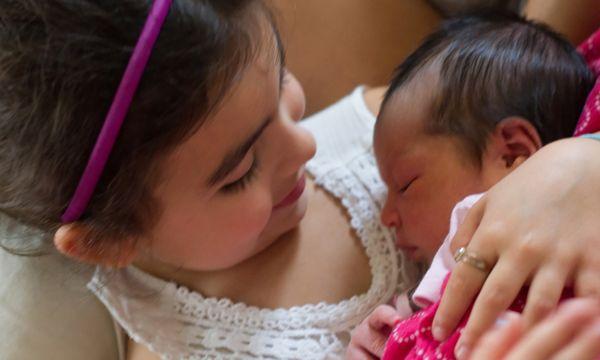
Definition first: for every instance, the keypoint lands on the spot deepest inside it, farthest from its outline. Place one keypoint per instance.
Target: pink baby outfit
(412, 337)
(589, 122)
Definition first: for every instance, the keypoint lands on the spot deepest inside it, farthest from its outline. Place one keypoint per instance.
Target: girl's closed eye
(241, 183)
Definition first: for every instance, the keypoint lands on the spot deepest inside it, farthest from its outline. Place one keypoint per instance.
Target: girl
(195, 221)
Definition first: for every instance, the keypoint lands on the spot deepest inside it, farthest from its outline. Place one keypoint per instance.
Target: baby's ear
(79, 242)
(517, 139)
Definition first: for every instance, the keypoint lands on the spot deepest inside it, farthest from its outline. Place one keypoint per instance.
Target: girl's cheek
(250, 217)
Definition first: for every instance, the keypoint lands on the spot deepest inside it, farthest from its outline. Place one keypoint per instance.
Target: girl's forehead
(243, 112)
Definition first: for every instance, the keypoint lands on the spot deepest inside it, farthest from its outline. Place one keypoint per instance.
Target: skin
(572, 332)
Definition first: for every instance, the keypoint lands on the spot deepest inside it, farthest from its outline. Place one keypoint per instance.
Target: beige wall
(333, 45)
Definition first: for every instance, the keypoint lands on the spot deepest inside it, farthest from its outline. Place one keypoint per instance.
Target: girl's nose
(298, 147)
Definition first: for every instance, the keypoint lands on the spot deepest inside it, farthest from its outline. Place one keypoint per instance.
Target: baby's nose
(389, 215)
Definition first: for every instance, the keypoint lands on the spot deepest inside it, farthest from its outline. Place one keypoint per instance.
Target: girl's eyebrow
(233, 158)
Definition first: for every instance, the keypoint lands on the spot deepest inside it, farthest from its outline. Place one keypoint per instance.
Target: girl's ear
(76, 241)
(516, 140)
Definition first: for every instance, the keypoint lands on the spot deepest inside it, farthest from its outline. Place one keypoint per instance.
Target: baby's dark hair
(60, 64)
(494, 65)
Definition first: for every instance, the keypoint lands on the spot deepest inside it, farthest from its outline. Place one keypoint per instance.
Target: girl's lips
(294, 194)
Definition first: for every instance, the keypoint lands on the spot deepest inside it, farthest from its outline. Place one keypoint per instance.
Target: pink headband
(118, 111)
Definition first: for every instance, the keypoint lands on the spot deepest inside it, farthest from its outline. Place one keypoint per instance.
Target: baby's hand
(369, 337)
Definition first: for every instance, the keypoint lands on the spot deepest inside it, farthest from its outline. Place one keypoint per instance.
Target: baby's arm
(370, 336)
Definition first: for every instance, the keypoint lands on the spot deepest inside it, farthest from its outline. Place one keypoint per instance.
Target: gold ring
(462, 255)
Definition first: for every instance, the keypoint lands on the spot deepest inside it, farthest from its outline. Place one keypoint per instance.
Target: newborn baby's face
(426, 174)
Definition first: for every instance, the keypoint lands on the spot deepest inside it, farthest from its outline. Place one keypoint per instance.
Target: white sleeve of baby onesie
(429, 289)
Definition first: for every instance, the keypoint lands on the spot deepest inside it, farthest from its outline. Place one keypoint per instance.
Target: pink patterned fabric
(412, 337)
(589, 122)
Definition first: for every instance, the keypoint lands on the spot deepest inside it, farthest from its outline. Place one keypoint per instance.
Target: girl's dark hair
(493, 65)
(60, 64)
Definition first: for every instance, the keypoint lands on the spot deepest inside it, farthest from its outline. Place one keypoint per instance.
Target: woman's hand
(541, 224)
(573, 332)
(368, 338)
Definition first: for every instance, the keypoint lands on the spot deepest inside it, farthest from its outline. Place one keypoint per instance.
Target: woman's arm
(576, 19)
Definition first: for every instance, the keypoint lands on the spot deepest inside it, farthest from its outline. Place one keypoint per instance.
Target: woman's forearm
(576, 19)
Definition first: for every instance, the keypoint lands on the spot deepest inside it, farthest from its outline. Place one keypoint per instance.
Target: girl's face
(236, 185)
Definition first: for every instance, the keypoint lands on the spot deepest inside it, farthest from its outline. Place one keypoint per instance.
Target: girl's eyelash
(241, 183)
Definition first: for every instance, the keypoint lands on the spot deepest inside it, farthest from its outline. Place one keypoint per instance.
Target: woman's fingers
(586, 345)
(556, 334)
(496, 343)
(545, 292)
(587, 283)
(462, 287)
(499, 291)
(465, 281)
(469, 226)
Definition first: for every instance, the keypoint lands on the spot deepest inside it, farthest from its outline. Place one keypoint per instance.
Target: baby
(473, 102)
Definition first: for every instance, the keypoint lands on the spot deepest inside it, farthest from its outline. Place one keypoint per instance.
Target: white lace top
(181, 324)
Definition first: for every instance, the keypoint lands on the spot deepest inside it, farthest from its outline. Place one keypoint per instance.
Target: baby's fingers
(384, 316)
(358, 353)
(368, 341)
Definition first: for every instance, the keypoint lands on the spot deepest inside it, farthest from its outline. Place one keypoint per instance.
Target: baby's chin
(419, 255)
